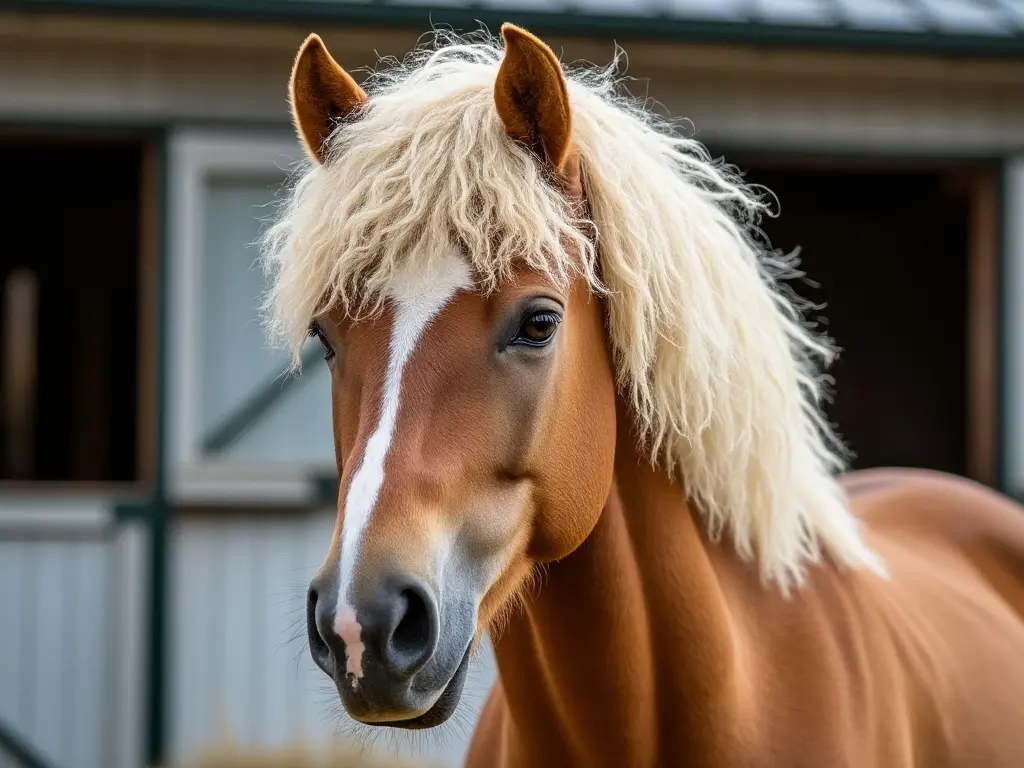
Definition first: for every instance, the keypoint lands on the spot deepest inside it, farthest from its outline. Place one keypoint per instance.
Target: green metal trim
(158, 578)
(14, 747)
(565, 21)
(224, 435)
(157, 699)
(325, 493)
(132, 511)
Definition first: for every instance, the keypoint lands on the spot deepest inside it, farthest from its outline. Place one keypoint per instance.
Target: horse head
(501, 261)
(474, 425)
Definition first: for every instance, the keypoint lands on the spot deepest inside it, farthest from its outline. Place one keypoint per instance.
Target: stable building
(166, 493)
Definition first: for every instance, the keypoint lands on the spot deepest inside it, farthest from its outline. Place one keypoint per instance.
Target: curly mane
(711, 349)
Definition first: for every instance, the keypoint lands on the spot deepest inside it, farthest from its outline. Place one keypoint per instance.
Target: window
(72, 327)
(239, 428)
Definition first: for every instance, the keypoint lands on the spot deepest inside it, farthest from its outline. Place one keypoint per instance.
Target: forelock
(427, 166)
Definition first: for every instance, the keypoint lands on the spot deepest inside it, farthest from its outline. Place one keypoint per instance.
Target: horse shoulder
(890, 669)
(952, 613)
(915, 510)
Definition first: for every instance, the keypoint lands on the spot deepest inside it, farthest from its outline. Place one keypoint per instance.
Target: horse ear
(321, 93)
(532, 97)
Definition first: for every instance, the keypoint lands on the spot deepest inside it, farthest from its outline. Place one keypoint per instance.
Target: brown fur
(647, 644)
(321, 93)
(650, 646)
(531, 97)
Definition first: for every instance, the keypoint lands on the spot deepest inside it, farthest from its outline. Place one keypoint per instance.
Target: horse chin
(445, 705)
(442, 708)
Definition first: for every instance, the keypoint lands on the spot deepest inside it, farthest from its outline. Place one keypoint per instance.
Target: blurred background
(165, 494)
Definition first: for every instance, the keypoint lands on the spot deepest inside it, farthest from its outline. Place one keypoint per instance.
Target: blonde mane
(710, 349)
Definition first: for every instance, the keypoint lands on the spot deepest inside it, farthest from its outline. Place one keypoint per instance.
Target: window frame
(196, 157)
(1012, 329)
(150, 145)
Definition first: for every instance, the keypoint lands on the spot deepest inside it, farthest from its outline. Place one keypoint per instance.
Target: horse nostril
(317, 646)
(413, 639)
(413, 630)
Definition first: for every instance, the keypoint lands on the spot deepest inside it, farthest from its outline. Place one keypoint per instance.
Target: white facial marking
(351, 633)
(417, 297)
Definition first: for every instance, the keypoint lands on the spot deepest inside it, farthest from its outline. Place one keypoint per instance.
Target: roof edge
(570, 23)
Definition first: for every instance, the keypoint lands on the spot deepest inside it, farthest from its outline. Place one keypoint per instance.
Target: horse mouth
(443, 708)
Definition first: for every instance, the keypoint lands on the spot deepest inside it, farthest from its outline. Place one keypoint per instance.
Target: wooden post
(982, 328)
(20, 372)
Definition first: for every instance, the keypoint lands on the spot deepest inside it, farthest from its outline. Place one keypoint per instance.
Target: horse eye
(315, 330)
(538, 329)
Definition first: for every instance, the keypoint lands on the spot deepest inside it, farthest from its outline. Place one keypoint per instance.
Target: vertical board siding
(237, 597)
(55, 664)
(12, 595)
(239, 666)
(191, 578)
(89, 657)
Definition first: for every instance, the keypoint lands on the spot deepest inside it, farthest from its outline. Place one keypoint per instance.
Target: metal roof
(977, 27)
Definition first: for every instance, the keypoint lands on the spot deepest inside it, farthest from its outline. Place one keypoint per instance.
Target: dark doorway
(889, 255)
(69, 295)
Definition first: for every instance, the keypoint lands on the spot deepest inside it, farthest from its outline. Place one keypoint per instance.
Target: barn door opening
(903, 260)
(72, 321)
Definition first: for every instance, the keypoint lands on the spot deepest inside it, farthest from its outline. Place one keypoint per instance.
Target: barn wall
(55, 664)
(111, 70)
(237, 579)
(71, 671)
(239, 666)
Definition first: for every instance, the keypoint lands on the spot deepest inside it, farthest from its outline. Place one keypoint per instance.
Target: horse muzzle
(390, 660)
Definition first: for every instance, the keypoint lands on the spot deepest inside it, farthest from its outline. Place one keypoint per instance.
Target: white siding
(54, 660)
(62, 676)
(239, 664)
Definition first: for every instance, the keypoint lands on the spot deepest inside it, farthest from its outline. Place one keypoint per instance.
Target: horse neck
(627, 638)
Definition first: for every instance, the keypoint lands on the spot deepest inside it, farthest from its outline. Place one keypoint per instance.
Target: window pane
(237, 363)
(1013, 343)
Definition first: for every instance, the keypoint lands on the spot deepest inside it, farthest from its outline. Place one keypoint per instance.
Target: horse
(577, 406)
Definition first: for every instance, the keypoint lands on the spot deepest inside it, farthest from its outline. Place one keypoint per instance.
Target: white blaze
(417, 297)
